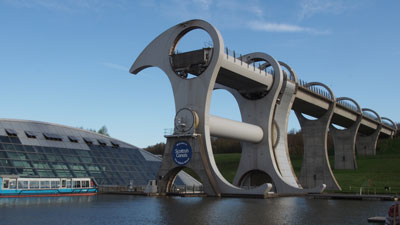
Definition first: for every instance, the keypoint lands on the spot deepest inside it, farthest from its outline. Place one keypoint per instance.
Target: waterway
(124, 209)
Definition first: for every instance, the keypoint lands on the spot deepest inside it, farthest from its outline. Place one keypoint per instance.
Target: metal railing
(368, 190)
(187, 189)
(117, 188)
(387, 123)
(316, 90)
(344, 103)
(255, 66)
(370, 115)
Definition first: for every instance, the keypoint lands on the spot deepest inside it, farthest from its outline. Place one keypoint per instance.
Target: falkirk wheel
(264, 98)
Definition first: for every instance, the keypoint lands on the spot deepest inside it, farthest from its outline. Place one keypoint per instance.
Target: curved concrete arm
(157, 53)
(291, 71)
(372, 111)
(260, 56)
(391, 121)
(352, 100)
(322, 85)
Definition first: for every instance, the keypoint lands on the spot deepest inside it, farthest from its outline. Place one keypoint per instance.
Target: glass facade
(108, 165)
(40, 149)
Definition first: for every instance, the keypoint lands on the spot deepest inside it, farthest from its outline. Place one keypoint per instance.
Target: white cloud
(231, 13)
(115, 66)
(309, 8)
(282, 27)
(205, 4)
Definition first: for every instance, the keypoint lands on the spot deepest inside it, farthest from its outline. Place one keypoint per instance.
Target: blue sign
(181, 153)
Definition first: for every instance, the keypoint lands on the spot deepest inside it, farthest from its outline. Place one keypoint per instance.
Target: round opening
(309, 117)
(184, 181)
(338, 127)
(258, 65)
(227, 152)
(192, 53)
(254, 179)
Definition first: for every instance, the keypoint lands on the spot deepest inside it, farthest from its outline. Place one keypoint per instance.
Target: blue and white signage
(181, 153)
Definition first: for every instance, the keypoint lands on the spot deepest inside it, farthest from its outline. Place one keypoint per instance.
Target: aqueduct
(265, 94)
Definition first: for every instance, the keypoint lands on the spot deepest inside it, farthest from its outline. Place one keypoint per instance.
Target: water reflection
(116, 209)
(38, 201)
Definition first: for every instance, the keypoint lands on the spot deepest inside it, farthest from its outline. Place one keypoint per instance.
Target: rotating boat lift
(264, 99)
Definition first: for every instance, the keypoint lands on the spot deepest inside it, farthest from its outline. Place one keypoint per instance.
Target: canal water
(124, 209)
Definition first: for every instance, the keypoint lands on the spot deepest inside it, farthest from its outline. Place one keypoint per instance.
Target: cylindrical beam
(226, 128)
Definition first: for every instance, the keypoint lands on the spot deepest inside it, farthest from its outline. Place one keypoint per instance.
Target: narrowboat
(14, 186)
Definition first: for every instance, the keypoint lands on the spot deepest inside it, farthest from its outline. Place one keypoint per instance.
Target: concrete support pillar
(259, 163)
(169, 168)
(281, 119)
(345, 142)
(315, 169)
(366, 145)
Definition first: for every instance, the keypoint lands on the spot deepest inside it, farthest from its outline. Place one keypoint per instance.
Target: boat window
(5, 184)
(68, 183)
(23, 184)
(34, 184)
(55, 184)
(45, 184)
(76, 183)
(85, 183)
(63, 183)
(13, 184)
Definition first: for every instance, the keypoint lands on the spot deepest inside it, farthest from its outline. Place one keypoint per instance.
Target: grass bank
(374, 173)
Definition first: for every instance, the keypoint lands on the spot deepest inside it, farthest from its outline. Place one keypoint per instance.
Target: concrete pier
(345, 142)
(366, 144)
(315, 169)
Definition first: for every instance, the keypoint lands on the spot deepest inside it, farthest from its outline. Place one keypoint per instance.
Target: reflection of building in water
(38, 149)
(43, 201)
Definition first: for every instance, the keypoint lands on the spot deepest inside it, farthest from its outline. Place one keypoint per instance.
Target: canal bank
(191, 192)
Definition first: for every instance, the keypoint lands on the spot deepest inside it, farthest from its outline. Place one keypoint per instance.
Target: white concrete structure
(265, 101)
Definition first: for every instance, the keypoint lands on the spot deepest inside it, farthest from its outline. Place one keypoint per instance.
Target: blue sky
(67, 61)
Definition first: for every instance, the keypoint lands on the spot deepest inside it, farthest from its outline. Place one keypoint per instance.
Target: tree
(157, 149)
(103, 130)
(398, 131)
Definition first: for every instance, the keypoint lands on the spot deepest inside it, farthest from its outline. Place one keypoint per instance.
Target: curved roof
(36, 133)
(38, 127)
